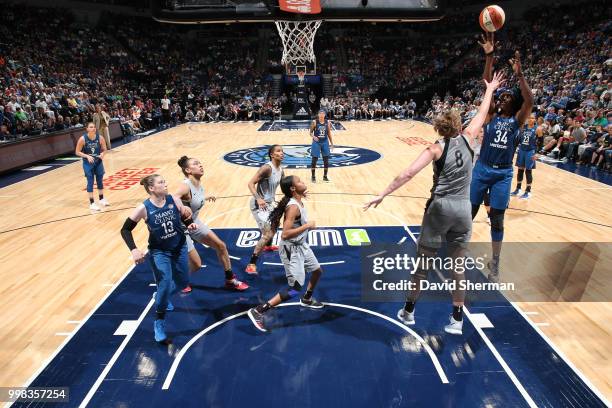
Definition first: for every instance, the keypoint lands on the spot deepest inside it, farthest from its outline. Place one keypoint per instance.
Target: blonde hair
(448, 124)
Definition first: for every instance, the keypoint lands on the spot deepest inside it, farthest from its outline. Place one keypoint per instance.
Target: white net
(298, 40)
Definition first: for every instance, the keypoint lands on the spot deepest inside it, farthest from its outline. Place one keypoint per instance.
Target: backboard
(237, 11)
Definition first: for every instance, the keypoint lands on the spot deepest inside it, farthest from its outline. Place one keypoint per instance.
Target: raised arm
(478, 121)
(433, 152)
(527, 105)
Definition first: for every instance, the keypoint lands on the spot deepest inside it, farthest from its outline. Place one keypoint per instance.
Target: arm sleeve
(126, 233)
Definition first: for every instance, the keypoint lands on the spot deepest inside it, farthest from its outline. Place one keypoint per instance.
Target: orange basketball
(492, 18)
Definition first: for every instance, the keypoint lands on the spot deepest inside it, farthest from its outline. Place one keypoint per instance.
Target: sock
(269, 243)
(458, 313)
(101, 196)
(253, 259)
(263, 308)
(308, 294)
(91, 200)
(409, 306)
(160, 315)
(528, 189)
(229, 275)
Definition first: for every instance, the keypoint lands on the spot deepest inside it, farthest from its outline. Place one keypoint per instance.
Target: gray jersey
(300, 220)
(266, 188)
(453, 170)
(197, 198)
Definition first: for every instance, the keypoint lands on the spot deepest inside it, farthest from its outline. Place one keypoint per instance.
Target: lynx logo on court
(318, 237)
(298, 156)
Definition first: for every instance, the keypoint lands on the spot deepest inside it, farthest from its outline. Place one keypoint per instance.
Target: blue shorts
(319, 147)
(524, 159)
(497, 181)
(94, 170)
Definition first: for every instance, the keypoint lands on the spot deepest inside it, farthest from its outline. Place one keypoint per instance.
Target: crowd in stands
(567, 59)
(146, 77)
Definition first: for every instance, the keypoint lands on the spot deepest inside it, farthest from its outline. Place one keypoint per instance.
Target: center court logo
(298, 156)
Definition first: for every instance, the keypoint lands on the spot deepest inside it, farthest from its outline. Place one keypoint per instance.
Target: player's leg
(99, 173)
(161, 265)
(89, 175)
(231, 282)
(315, 152)
(430, 240)
(500, 196)
(294, 270)
(325, 152)
(311, 265)
(529, 166)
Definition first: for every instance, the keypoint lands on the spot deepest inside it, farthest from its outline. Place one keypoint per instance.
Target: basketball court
(79, 314)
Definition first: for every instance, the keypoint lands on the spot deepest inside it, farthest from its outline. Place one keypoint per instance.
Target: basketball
(492, 18)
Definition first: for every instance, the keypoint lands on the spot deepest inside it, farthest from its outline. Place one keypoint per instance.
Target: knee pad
(290, 292)
(529, 175)
(520, 174)
(497, 224)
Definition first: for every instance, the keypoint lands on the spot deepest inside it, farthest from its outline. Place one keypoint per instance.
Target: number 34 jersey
(453, 170)
(501, 136)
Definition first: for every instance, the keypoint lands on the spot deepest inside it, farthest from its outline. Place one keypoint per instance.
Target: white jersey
(300, 220)
(197, 198)
(266, 188)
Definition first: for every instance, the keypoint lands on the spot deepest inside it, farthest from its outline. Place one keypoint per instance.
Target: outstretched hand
(516, 63)
(373, 202)
(497, 81)
(488, 43)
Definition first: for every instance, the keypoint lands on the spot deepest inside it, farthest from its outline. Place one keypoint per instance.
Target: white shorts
(197, 235)
(262, 216)
(298, 260)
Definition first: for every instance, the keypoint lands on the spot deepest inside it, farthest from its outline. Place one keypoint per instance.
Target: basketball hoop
(298, 41)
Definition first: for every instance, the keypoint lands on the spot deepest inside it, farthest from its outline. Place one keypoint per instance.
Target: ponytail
(148, 182)
(276, 214)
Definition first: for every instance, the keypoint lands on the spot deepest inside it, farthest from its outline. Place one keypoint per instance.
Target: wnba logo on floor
(319, 237)
(298, 156)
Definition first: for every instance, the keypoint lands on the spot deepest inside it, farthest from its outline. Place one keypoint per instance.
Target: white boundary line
(184, 350)
(115, 356)
(563, 357)
(76, 330)
(494, 351)
(502, 362)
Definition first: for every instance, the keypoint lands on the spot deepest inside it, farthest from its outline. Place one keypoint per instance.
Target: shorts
(298, 260)
(446, 219)
(524, 159)
(318, 148)
(197, 235)
(94, 171)
(261, 216)
(497, 181)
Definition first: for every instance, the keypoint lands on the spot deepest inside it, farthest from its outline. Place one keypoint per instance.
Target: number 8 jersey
(165, 226)
(501, 136)
(453, 170)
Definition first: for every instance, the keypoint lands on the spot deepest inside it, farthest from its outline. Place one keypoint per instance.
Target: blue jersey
(91, 147)
(320, 130)
(528, 139)
(499, 141)
(165, 226)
